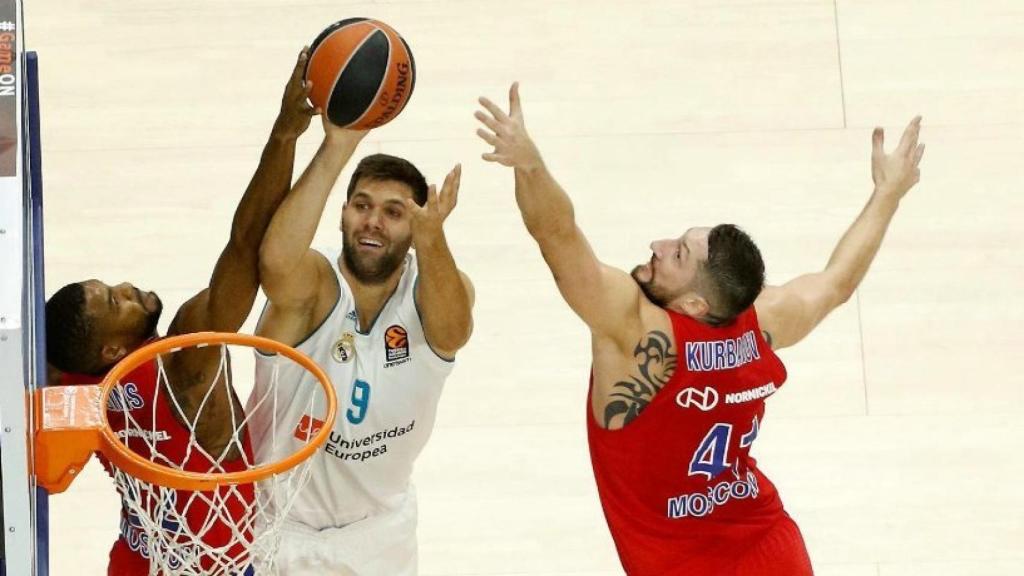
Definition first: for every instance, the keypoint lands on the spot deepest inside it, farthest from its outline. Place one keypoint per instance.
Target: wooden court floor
(895, 443)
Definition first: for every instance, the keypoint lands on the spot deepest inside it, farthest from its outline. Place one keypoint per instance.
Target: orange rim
(135, 465)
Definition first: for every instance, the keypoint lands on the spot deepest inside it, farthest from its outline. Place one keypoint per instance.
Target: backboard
(24, 521)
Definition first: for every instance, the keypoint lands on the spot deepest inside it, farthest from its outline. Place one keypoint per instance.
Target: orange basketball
(362, 71)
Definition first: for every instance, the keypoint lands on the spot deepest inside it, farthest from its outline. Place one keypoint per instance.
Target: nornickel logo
(705, 399)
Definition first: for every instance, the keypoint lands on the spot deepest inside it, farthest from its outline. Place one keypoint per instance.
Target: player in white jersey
(385, 325)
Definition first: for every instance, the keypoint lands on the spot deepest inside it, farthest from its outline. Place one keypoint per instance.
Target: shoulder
(641, 322)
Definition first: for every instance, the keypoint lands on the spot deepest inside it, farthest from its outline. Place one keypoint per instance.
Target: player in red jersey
(683, 360)
(90, 326)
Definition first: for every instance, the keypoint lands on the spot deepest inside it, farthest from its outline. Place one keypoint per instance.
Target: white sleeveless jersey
(388, 381)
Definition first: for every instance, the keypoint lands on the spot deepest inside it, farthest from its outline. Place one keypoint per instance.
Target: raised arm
(790, 312)
(602, 296)
(290, 271)
(226, 302)
(443, 293)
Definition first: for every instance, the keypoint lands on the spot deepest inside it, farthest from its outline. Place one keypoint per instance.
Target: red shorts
(126, 562)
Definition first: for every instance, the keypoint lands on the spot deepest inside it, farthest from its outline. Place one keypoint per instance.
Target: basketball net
(189, 511)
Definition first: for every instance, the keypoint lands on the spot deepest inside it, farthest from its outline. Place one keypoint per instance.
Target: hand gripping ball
(362, 71)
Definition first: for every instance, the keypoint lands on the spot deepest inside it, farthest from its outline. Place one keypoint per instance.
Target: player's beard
(657, 295)
(373, 269)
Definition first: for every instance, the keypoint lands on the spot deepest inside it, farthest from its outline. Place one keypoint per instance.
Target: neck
(369, 298)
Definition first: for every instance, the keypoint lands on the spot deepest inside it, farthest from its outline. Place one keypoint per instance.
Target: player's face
(122, 315)
(672, 270)
(376, 229)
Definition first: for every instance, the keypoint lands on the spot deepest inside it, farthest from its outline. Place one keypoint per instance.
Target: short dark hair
(70, 333)
(387, 167)
(734, 273)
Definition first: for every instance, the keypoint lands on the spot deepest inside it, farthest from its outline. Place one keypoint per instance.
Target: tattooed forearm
(656, 362)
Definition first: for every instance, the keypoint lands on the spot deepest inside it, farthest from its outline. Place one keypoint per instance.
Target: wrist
(886, 195)
(430, 239)
(282, 132)
(531, 169)
(346, 139)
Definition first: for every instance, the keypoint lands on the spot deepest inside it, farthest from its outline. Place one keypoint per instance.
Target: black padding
(356, 88)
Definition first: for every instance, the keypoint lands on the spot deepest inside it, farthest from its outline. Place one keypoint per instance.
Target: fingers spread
(432, 196)
(515, 107)
(488, 121)
(878, 143)
(448, 179)
(450, 192)
(908, 142)
(918, 153)
(458, 182)
(498, 113)
(487, 136)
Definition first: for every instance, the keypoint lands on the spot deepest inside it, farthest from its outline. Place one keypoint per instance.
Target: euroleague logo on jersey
(705, 399)
(396, 346)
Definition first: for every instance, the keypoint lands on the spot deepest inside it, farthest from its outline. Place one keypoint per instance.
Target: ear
(341, 219)
(695, 305)
(111, 353)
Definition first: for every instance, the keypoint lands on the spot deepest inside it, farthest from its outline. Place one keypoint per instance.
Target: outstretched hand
(897, 172)
(428, 220)
(296, 112)
(507, 133)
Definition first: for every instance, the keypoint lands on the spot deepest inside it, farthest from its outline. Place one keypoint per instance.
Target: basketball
(362, 72)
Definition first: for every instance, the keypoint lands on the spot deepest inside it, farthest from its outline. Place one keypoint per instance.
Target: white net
(233, 529)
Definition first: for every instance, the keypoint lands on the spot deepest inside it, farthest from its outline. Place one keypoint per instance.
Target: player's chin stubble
(372, 270)
(648, 288)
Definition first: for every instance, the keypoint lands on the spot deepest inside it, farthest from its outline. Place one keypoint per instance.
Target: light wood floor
(895, 444)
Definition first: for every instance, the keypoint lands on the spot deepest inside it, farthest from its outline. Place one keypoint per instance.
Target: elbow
(271, 261)
(452, 342)
(839, 286)
(842, 292)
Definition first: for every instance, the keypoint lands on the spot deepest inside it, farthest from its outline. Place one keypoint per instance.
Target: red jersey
(153, 415)
(679, 489)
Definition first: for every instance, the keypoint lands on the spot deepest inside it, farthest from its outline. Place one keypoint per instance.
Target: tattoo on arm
(656, 362)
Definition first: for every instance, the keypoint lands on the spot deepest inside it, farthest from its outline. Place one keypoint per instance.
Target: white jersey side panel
(388, 381)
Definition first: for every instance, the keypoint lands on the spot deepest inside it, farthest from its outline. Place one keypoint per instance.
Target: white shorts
(381, 545)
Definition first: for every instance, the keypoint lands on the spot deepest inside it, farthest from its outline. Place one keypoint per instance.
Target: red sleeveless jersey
(154, 416)
(679, 489)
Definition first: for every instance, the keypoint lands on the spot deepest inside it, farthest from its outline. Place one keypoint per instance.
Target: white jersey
(388, 381)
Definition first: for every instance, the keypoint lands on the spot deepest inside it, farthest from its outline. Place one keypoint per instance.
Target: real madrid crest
(344, 348)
